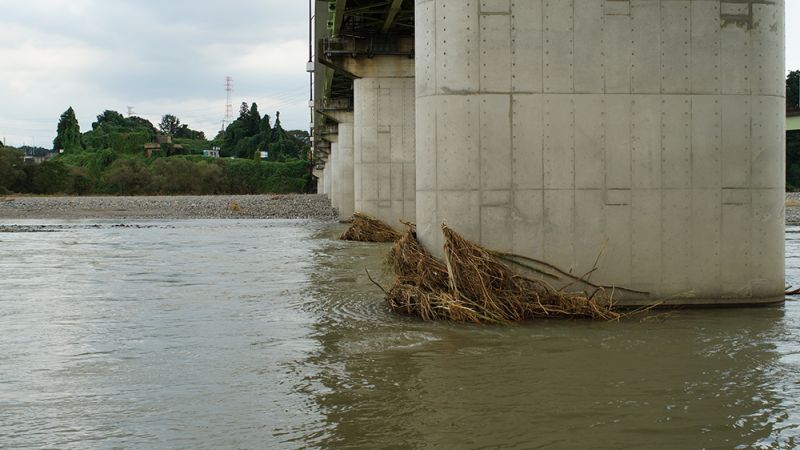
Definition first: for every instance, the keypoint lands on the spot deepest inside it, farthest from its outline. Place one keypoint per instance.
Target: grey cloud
(159, 53)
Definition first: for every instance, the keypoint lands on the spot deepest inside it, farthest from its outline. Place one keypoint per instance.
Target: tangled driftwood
(368, 229)
(473, 285)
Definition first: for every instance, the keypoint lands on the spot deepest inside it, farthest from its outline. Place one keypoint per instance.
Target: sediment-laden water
(268, 334)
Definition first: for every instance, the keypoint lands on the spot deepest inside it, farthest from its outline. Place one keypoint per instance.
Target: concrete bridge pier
(339, 167)
(319, 173)
(648, 134)
(343, 188)
(331, 179)
(383, 133)
(385, 147)
(327, 175)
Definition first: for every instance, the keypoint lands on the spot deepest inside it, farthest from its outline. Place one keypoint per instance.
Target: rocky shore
(793, 208)
(204, 207)
(173, 207)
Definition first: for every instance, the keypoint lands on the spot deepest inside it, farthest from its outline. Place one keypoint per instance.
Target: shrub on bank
(105, 172)
(10, 169)
(203, 176)
(793, 161)
(243, 176)
(182, 176)
(49, 177)
(128, 176)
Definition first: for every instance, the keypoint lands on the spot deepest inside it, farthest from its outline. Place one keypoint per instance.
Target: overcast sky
(165, 56)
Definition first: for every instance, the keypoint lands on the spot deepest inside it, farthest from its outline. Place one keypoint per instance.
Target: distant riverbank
(295, 206)
(793, 208)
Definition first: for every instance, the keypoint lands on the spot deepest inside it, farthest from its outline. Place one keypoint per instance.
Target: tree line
(110, 158)
(793, 137)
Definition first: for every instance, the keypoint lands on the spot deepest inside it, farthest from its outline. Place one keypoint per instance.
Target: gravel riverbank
(793, 208)
(172, 207)
(205, 207)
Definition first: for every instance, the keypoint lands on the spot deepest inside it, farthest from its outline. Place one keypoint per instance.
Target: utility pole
(310, 67)
(310, 70)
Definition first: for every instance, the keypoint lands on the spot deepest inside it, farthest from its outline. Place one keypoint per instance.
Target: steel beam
(339, 16)
(394, 8)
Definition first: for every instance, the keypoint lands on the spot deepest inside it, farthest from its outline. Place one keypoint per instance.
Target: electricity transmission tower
(228, 104)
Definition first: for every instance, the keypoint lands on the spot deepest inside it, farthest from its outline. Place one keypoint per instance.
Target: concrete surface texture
(332, 171)
(327, 178)
(645, 135)
(385, 148)
(343, 190)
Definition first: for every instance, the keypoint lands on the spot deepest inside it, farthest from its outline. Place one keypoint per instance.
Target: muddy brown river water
(268, 334)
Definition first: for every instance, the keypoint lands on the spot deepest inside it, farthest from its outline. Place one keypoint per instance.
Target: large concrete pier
(385, 148)
(640, 141)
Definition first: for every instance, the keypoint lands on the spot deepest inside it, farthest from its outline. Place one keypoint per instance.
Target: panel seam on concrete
(541, 155)
(463, 94)
(572, 133)
(480, 162)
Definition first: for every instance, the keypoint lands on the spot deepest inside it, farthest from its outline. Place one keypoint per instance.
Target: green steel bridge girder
(380, 16)
(363, 19)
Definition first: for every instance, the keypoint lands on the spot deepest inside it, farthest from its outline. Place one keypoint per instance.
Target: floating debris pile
(473, 285)
(369, 229)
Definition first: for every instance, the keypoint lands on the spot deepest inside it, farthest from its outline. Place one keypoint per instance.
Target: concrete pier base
(333, 182)
(384, 163)
(646, 137)
(343, 190)
(320, 174)
(326, 176)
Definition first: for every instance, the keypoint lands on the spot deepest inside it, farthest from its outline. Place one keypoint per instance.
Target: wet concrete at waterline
(269, 334)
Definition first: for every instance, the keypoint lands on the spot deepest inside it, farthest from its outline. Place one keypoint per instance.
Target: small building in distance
(150, 148)
(36, 155)
(213, 153)
(792, 119)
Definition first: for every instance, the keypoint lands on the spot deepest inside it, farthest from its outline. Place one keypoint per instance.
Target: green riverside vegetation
(793, 137)
(111, 158)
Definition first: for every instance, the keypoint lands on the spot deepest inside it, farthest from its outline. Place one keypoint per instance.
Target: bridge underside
(648, 133)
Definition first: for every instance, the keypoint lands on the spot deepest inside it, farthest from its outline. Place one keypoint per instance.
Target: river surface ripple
(268, 334)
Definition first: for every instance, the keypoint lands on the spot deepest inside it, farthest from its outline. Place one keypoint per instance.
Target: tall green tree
(266, 125)
(278, 133)
(253, 121)
(114, 131)
(169, 124)
(793, 90)
(68, 134)
(249, 134)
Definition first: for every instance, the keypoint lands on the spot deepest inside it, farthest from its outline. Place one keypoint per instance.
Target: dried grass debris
(369, 229)
(473, 285)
